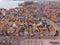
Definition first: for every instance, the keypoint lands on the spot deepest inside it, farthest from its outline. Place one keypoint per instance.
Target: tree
(22, 4)
(25, 3)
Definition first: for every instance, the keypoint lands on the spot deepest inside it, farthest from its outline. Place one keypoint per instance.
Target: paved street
(30, 41)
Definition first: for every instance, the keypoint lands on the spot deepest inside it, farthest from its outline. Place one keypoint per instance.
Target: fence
(40, 42)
